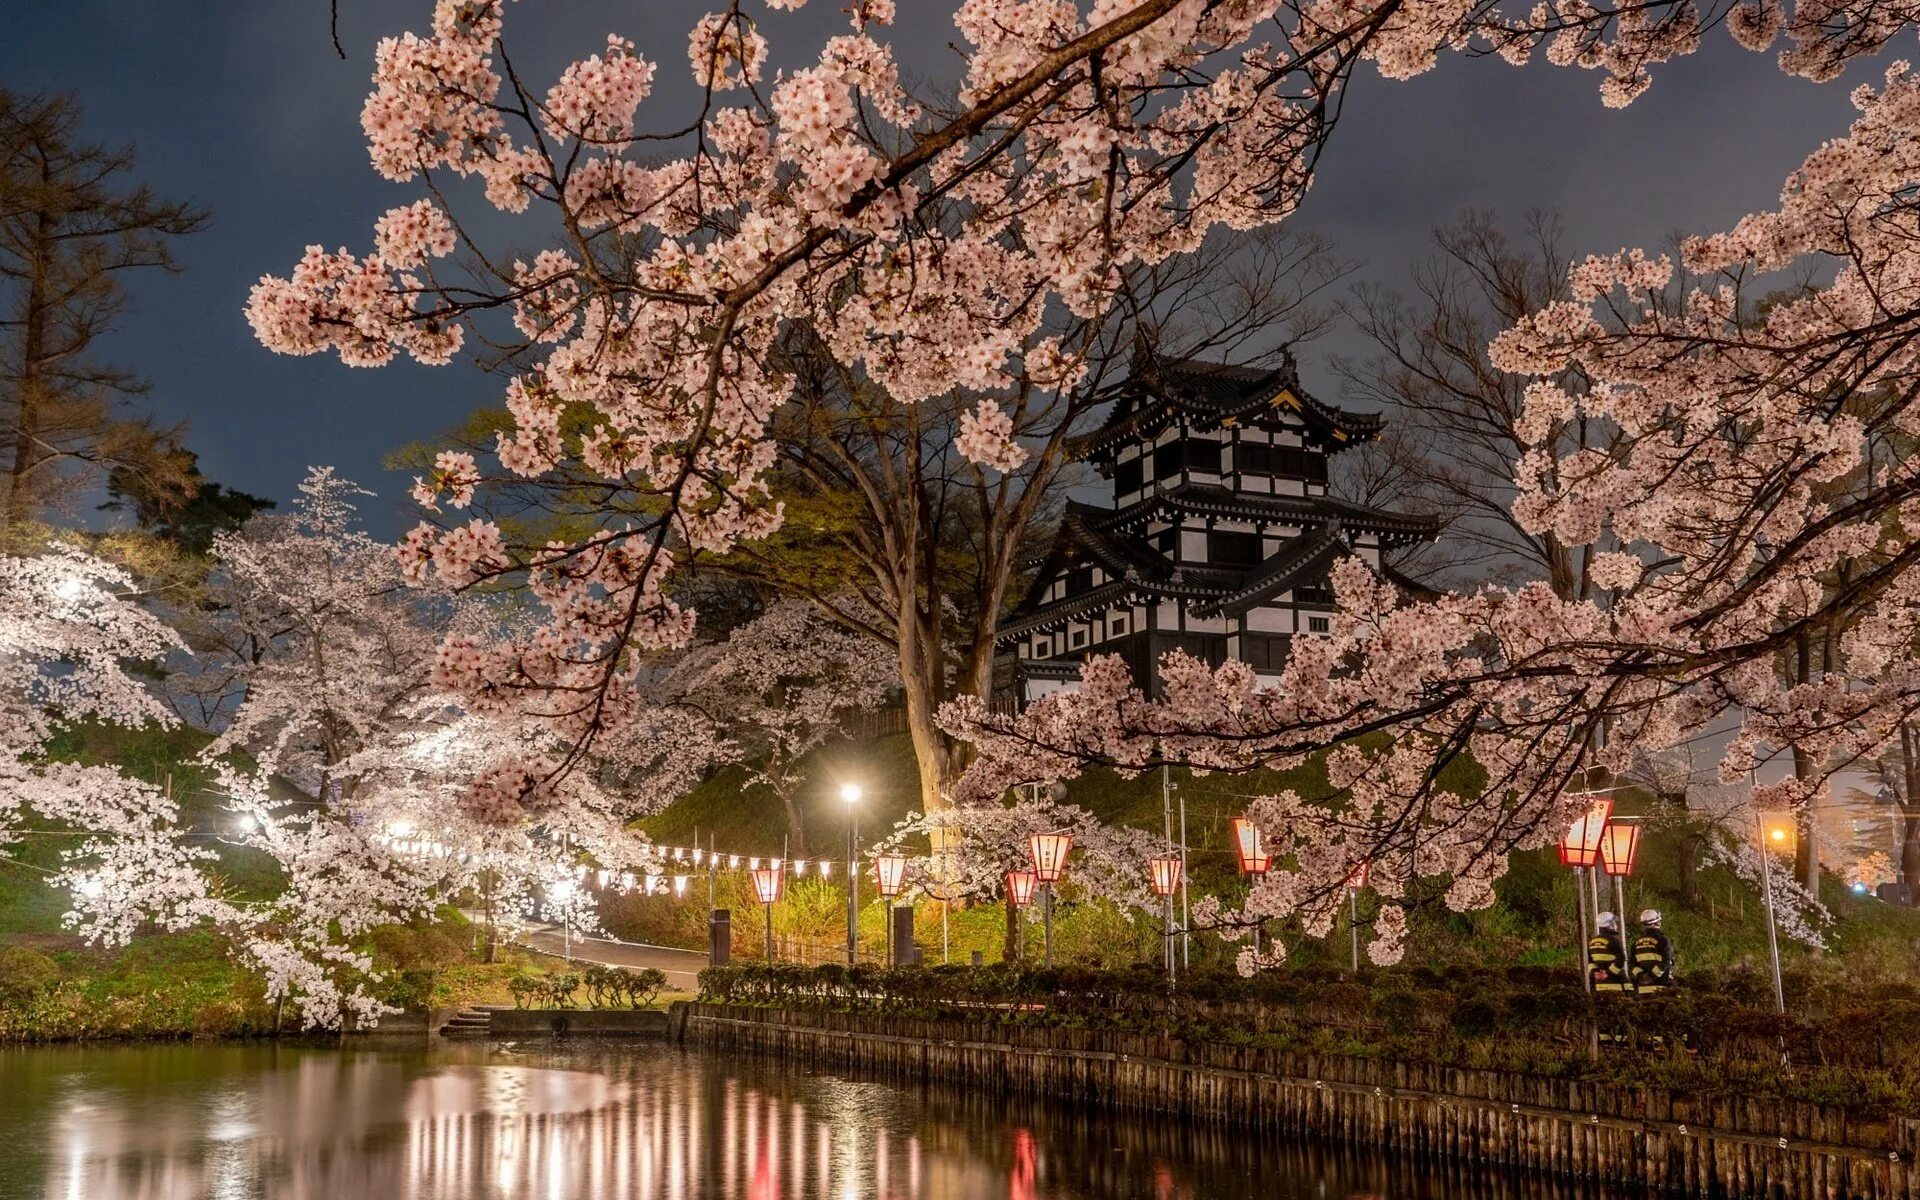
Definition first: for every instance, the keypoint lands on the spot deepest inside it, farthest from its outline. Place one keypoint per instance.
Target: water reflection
(626, 1120)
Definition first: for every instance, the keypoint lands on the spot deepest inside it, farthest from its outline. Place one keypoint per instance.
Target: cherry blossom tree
(376, 794)
(70, 624)
(924, 243)
(777, 688)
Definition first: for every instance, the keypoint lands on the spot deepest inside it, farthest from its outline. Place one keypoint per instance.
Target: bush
(25, 974)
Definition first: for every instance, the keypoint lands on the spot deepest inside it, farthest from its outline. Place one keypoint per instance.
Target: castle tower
(1219, 535)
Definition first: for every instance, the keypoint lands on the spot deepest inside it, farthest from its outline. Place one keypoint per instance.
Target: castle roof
(1209, 395)
(1139, 572)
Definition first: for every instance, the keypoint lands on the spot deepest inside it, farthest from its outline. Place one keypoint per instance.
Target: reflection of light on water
(633, 1122)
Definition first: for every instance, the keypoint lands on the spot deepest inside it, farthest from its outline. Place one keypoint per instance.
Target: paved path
(680, 966)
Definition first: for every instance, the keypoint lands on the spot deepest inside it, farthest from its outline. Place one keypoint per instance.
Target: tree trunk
(1909, 818)
(26, 438)
(1806, 851)
(796, 827)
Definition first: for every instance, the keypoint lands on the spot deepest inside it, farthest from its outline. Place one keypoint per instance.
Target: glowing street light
(1254, 860)
(1778, 835)
(1020, 885)
(769, 885)
(1580, 849)
(1619, 848)
(1165, 870)
(850, 796)
(1049, 852)
(890, 876)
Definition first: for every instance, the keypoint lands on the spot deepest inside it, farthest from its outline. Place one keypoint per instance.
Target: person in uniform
(1652, 955)
(1607, 956)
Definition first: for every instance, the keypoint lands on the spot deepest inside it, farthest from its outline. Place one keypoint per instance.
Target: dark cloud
(244, 106)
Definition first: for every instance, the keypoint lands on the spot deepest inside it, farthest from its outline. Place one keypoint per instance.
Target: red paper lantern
(1020, 885)
(1049, 852)
(890, 873)
(1166, 873)
(1254, 860)
(1619, 844)
(1581, 845)
(1357, 878)
(769, 883)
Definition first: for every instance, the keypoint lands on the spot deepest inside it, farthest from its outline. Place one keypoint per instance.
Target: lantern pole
(1186, 912)
(1766, 887)
(1580, 902)
(850, 795)
(1046, 919)
(1353, 925)
(1626, 941)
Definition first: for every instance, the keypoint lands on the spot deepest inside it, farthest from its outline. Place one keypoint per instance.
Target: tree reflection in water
(637, 1121)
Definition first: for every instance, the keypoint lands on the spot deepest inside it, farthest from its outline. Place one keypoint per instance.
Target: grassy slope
(1533, 924)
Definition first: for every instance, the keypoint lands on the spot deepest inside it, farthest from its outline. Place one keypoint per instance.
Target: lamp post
(769, 885)
(1777, 835)
(1356, 879)
(560, 895)
(1166, 871)
(1254, 860)
(1580, 849)
(1020, 885)
(1619, 846)
(850, 796)
(890, 876)
(1049, 852)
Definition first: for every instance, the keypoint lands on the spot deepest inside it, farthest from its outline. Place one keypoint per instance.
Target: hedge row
(1525, 1018)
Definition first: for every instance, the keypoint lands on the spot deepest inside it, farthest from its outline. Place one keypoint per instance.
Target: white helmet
(1650, 916)
(1607, 921)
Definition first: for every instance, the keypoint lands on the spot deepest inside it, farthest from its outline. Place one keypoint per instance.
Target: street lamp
(1166, 872)
(1049, 852)
(890, 875)
(1356, 879)
(769, 885)
(1020, 885)
(1778, 835)
(850, 796)
(1580, 849)
(1619, 847)
(1254, 860)
(560, 895)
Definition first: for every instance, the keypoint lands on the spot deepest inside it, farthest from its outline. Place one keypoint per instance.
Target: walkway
(681, 967)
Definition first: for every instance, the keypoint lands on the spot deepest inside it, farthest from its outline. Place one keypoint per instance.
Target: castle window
(1166, 460)
(1318, 624)
(1129, 476)
(1233, 549)
(1078, 638)
(1264, 651)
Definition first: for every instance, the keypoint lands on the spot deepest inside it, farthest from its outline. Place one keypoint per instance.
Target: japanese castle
(1220, 534)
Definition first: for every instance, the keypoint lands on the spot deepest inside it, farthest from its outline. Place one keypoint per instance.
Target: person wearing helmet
(1652, 955)
(1607, 957)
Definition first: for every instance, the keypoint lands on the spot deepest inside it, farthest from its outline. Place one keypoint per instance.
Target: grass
(1533, 923)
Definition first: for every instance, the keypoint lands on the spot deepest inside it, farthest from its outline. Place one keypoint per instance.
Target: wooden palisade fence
(1614, 1133)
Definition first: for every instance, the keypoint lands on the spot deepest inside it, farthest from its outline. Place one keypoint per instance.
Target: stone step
(469, 1022)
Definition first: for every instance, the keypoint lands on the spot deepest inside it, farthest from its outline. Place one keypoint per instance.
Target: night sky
(244, 107)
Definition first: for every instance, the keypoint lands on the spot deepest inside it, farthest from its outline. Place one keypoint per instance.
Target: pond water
(634, 1120)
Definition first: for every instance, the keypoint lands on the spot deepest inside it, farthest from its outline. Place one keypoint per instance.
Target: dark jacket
(1607, 962)
(1652, 961)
